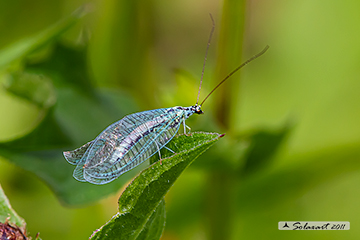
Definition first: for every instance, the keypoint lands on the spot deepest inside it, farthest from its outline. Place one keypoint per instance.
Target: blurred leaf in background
(40, 151)
(62, 86)
(8, 213)
(12, 226)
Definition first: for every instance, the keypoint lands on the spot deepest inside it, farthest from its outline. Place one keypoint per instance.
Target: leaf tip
(222, 135)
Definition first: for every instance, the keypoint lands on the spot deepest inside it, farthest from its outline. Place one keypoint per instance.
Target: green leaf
(6, 211)
(282, 185)
(146, 191)
(155, 225)
(263, 146)
(64, 128)
(35, 88)
(75, 119)
(11, 224)
(24, 47)
(67, 67)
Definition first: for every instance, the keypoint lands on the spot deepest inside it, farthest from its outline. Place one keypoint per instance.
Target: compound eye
(198, 111)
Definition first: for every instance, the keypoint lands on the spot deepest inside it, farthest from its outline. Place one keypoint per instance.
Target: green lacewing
(132, 140)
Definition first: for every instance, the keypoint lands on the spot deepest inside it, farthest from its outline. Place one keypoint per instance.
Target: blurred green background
(148, 54)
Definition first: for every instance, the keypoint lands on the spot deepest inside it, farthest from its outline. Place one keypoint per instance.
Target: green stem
(229, 57)
(219, 203)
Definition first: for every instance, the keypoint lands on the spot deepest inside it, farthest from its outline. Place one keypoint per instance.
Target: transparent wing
(99, 148)
(96, 151)
(79, 170)
(109, 141)
(143, 142)
(74, 157)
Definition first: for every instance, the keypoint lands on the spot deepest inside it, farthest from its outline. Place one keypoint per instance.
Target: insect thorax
(187, 111)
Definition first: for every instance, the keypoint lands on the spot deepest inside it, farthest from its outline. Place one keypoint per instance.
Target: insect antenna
(234, 71)
(206, 53)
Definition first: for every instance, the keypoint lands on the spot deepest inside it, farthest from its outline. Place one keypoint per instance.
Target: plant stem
(229, 57)
(219, 202)
(219, 195)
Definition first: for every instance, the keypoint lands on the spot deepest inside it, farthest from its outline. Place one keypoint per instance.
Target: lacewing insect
(132, 140)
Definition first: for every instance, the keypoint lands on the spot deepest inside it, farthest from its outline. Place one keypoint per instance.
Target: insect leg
(158, 151)
(169, 149)
(185, 126)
